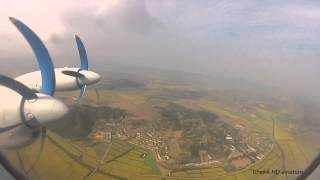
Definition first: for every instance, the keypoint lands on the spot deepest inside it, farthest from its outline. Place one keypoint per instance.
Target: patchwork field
(66, 159)
(289, 152)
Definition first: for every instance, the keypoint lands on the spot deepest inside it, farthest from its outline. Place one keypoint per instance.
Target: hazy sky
(270, 41)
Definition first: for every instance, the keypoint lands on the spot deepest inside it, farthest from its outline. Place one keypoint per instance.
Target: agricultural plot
(287, 154)
(63, 160)
(272, 161)
(128, 161)
(54, 162)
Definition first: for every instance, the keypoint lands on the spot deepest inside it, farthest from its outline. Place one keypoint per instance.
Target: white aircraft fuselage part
(63, 82)
(13, 132)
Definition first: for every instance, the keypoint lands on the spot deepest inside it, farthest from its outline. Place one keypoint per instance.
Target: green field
(289, 153)
(66, 159)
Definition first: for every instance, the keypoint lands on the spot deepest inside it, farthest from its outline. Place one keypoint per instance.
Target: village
(248, 151)
(105, 131)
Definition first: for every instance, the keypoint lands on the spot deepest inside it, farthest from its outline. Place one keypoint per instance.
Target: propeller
(83, 76)
(42, 56)
(37, 108)
(84, 65)
(18, 87)
(43, 133)
(24, 91)
(79, 80)
(28, 120)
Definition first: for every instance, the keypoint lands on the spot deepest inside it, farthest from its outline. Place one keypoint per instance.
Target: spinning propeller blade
(42, 55)
(18, 87)
(34, 109)
(43, 134)
(83, 54)
(97, 93)
(83, 90)
(45, 65)
(84, 65)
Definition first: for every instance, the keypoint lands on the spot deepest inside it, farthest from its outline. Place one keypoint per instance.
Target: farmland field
(75, 161)
(120, 159)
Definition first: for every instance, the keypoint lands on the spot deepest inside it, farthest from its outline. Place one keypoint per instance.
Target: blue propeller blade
(82, 90)
(83, 54)
(42, 55)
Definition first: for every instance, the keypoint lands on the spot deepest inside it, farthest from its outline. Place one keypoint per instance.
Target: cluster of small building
(247, 153)
(103, 131)
(253, 147)
(151, 141)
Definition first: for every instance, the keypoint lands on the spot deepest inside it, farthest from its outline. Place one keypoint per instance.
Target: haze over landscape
(272, 43)
(212, 89)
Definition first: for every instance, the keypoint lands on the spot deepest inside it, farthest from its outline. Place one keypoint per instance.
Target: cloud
(272, 42)
(127, 33)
